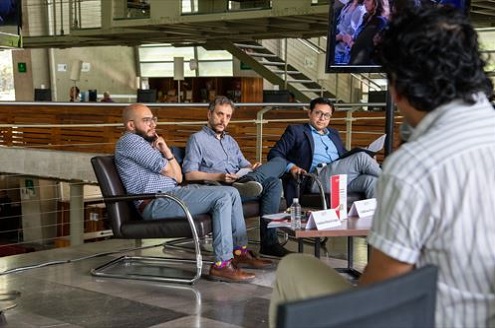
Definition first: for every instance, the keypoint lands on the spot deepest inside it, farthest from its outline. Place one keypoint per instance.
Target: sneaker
(276, 250)
(248, 189)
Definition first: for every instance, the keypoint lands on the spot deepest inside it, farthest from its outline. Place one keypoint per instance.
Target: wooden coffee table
(352, 227)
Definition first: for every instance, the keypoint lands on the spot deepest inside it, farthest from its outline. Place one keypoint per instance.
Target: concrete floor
(67, 295)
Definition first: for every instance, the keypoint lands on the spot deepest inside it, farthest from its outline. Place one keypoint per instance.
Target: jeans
(362, 174)
(224, 205)
(268, 175)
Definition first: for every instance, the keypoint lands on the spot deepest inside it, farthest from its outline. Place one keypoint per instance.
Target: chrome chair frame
(126, 223)
(150, 260)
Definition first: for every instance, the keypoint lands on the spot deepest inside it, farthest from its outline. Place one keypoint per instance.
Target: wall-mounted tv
(146, 95)
(276, 96)
(10, 24)
(42, 95)
(354, 28)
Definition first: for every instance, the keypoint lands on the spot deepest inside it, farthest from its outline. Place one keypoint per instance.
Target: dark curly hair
(431, 57)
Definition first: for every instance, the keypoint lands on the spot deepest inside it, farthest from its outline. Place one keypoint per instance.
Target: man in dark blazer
(314, 147)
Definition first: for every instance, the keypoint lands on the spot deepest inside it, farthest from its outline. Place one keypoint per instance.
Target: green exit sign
(245, 66)
(22, 67)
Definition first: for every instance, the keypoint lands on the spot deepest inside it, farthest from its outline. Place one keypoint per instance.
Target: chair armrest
(204, 182)
(128, 198)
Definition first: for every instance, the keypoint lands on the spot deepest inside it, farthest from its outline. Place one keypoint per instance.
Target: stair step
(301, 81)
(310, 90)
(278, 71)
(252, 46)
(259, 54)
(269, 63)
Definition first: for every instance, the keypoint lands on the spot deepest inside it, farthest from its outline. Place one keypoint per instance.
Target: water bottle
(295, 215)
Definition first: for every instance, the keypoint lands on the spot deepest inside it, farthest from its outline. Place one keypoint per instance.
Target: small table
(351, 227)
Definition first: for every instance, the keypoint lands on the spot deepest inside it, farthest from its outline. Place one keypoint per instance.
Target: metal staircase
(274, 69)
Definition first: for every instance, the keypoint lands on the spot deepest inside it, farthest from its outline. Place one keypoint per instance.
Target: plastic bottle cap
(295, 200)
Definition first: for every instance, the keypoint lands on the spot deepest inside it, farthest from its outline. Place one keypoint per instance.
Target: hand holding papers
(242, 172)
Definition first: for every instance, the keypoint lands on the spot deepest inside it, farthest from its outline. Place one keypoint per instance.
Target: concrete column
(76, 214)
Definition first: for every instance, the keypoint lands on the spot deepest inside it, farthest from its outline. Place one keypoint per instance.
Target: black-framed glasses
(323, 115)
(149, 120)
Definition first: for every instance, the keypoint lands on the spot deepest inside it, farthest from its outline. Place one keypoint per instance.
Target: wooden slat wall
(366, 126)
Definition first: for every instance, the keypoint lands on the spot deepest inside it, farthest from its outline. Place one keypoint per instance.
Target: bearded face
(146, 136)
(219, 118)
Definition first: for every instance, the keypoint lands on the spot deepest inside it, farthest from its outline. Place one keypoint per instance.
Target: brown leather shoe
(230, 273)
(250, 260)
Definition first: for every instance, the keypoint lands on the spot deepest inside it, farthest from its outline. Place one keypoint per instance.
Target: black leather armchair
(127, 223)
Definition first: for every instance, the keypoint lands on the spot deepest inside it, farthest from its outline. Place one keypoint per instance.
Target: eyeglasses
(148, 120)
(320, 114)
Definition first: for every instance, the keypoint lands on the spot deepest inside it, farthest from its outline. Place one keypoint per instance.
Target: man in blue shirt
(308, 147)
(211, 154)
(146, 165)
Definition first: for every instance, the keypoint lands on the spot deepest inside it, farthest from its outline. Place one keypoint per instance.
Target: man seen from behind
(435, 197)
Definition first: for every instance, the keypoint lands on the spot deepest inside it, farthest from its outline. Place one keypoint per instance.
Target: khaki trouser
(301, 276)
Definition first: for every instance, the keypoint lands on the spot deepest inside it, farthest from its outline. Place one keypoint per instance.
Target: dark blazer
(297, 146)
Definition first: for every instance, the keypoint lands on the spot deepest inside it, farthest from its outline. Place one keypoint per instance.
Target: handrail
(366, 80)
(349, 108)
(15, 130)
(311, 44)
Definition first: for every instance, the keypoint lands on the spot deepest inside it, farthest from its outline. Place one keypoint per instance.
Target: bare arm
(382, 267)
(172, 169)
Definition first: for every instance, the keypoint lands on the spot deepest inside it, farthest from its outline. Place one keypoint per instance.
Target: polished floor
(56, 292)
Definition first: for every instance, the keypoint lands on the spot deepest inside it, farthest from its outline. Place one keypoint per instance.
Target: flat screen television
(92, 95)
(352, 33)
(377, 97)
(10, 24)
(146, 95)
(276, 96)
(42, 95)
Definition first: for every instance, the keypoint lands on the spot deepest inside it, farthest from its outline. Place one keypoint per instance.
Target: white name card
(362, 208)
(322, 220)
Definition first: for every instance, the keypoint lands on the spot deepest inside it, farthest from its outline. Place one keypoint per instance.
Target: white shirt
(436, 205)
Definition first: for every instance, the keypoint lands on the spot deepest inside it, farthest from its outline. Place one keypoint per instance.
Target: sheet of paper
(276, 216)
(242, 172)
(279, 224)
(378, 144)
(285, 223)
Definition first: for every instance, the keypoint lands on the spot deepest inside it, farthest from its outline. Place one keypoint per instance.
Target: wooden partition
(96, 127)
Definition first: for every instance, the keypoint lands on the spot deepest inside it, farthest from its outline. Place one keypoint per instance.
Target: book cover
(338, 195)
